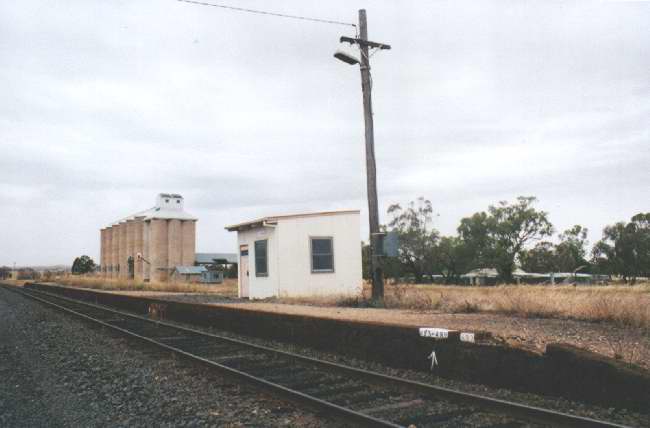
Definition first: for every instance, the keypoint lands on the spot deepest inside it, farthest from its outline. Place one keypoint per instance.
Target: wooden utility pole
(376, 237)
(371, 167)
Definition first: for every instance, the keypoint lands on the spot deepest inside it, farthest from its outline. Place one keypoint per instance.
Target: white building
(300, 255)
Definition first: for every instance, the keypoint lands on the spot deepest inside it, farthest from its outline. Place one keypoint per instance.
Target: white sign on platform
(436, 333)
(467, 337)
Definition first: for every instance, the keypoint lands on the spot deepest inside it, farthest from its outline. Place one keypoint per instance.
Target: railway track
(354, 395)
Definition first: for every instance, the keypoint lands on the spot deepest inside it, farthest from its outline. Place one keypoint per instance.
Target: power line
(262, 12)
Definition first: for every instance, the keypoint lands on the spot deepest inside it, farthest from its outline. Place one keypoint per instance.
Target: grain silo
(149, 245)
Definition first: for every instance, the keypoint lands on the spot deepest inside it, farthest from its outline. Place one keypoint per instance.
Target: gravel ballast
(58, 371)
(612, 414)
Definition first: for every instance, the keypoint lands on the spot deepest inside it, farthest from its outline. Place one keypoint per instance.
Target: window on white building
(261, 258)
(322, 255)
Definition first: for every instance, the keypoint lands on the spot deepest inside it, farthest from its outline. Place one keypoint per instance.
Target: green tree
(452, 258)
(417, 237)
(625, 248)
(365, 260)
(500, 236)
(475, 234)
(567, 256)
(571, 252)
(83, 264)
(539, 259)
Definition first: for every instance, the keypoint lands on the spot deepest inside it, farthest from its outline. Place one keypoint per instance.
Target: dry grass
(16, 282)
(625, 305)
(228, 288)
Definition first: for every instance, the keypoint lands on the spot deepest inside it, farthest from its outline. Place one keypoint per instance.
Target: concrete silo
(116, 251)
(109, 251)
(138, 248)
(122, 251)
(164, 236)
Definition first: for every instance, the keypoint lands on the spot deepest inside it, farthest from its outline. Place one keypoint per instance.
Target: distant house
(490, 276)
(216, 265)
(188, 273)
(481, 276)
(300, 255)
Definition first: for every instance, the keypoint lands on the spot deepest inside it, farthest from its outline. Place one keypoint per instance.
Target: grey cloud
(102, 105)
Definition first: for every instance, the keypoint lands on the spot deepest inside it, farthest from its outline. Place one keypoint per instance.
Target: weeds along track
(353, 395)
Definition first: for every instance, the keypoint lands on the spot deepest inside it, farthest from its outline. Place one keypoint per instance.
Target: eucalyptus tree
(417, 236)
(497, 238)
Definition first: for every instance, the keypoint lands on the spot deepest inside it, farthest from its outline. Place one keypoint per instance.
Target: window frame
(311, 254)
(266, 257)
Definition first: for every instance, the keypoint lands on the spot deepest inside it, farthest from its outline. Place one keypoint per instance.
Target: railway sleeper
(508, 424)
(493, 420)
(428, 418)
(306, 382)
(279, 373)
(217, 353)
(391, 406)
(296, 381)
(185, 343)
(336, 389)
(207, 351)
(361, 397)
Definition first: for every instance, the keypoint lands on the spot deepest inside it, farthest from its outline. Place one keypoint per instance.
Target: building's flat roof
(274, 219)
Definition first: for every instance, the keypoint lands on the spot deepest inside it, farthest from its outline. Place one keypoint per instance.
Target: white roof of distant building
(190, 270)
(274, 219)
(209, 258)
(159, 211)
(518, 272)
(482, 272)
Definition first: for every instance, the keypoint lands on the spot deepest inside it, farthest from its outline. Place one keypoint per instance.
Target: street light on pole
(371, 168)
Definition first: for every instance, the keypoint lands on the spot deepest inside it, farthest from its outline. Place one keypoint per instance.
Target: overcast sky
(104, 104)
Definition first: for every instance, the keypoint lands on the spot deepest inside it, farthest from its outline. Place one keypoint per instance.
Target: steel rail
(340, 411)
(524, 411)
